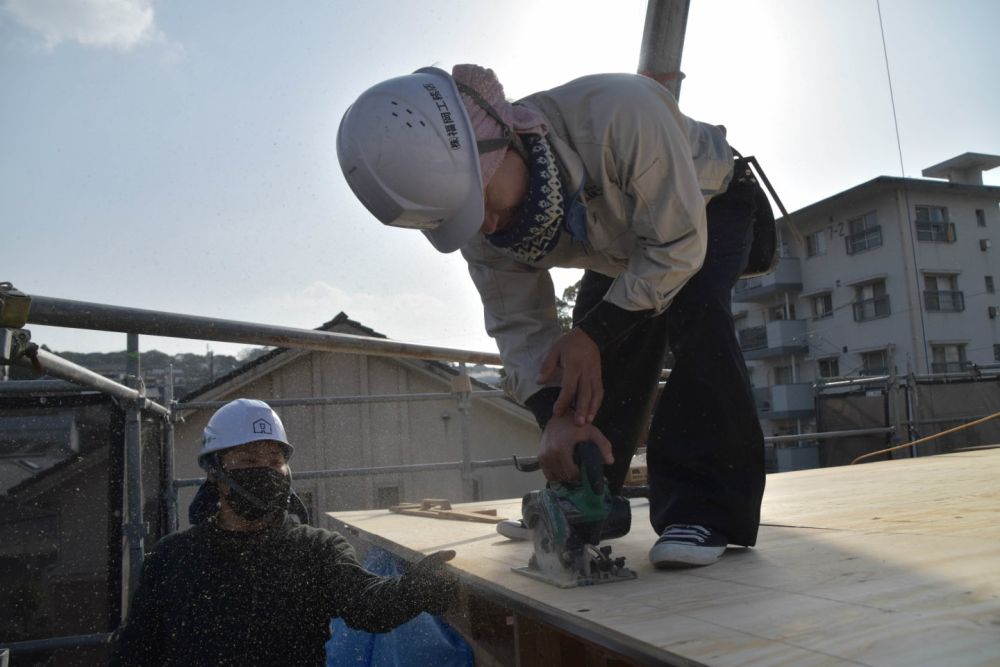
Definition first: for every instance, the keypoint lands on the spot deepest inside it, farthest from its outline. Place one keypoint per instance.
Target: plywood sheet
(888, 563)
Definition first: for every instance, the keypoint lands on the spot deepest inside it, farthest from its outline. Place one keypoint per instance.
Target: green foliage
(564, 306)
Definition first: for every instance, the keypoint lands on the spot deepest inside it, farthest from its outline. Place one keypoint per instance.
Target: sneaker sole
(667, 556)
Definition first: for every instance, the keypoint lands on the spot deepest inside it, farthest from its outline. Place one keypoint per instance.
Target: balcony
(787, 277)
(949, 367)
(785, 401)
(936, 232)
(871, 309)
(945, 301)
(863, 240)
(778, 339)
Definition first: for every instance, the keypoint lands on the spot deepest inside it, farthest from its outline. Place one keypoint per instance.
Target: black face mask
(256, 493)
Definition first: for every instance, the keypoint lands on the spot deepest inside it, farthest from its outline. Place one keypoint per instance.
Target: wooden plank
(887, 563)
(441, 509)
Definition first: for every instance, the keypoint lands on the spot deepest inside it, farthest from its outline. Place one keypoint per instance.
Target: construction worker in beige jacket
(605, 174)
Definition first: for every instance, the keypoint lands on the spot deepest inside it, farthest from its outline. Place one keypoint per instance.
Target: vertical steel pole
(663, 43)
(462, 386)
(134, 525)
(169, 490)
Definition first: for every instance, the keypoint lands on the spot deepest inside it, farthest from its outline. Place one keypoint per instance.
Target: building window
(933, 226)
(816, 244)
(871, 301)
(783, 375)
(822, 305)
(386, 497)
(776, 313)
(980, 217)
(996, 351)
(989, 285)
(865, 233)
(948, 358)
(875, 363)
(829, 367)
(941, 294)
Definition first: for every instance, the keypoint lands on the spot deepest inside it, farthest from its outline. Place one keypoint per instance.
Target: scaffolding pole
(663, 43)
(134, 527)
(101, 317)
(58, 367)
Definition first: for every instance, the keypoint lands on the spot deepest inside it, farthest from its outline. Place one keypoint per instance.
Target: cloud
(115, 24)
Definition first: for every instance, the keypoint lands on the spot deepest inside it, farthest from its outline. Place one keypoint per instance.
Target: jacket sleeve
(519, 308)
(648, 154)
(139, 642)
(369, 602)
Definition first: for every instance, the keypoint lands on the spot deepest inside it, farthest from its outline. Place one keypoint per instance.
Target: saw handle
(588, 456)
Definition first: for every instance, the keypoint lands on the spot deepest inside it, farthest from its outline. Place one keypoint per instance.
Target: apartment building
(893, 276)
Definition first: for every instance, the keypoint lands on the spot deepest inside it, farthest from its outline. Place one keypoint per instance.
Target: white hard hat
(408, 151)
(240, 422)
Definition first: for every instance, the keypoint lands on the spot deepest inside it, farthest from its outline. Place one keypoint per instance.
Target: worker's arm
(372, 603)
(646, 161)
(519, 308)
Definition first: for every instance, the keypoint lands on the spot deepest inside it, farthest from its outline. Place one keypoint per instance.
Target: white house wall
(375, 434)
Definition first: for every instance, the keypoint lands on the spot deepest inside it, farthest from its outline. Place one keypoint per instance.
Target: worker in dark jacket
(250, 586)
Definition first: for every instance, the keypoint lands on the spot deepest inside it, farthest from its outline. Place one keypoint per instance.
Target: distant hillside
(190, 370)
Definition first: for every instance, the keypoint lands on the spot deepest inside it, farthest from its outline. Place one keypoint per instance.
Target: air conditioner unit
(985, 244)
(992, 312)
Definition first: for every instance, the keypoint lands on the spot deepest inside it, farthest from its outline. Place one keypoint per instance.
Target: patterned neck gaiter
(536, 230)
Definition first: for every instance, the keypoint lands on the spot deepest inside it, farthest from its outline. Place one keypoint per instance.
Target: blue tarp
(424, 640)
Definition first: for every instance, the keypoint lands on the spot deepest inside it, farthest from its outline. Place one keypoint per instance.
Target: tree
(564, 306)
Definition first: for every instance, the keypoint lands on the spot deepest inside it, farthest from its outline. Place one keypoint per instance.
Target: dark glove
(430, 584)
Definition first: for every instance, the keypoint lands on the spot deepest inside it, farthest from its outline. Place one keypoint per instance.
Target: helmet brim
(467, 220)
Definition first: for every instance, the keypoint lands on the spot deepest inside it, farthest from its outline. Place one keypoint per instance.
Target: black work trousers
(705, 448)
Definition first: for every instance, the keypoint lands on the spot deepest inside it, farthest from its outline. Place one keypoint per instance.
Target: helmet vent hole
(395, 114)
(423, 124)
(409, 124)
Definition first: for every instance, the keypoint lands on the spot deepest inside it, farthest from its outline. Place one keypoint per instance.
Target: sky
(179, 155)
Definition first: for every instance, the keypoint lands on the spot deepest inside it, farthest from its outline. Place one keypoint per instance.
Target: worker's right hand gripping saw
(567, 520)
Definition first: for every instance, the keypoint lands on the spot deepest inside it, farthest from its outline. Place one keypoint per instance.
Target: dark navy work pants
(705, 448)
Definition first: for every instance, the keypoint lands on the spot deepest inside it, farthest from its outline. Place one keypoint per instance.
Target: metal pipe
(169, 491)
(379, 470)
(663, 43)
(874, 379)
(341, 400)
(134, 526)
(56, 366)
(946, 420)
(101, 317)
(16, 387)
(830, 434)
(499, 463)
(54, 643)
(463, 386)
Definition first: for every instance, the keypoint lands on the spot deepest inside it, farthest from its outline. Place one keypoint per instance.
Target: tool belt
(763, 256)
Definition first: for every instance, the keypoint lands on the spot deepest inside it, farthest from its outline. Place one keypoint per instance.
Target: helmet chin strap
(509, 138)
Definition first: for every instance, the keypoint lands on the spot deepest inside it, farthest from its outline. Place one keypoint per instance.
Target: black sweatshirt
(213, 597)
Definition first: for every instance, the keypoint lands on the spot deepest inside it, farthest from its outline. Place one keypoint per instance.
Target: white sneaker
(687, 545)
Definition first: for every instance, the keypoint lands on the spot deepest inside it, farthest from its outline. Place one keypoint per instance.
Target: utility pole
(663, 43)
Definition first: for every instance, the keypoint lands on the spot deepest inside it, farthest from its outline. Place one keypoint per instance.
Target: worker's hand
(559, 439)
(434, 586)
(580, 360)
